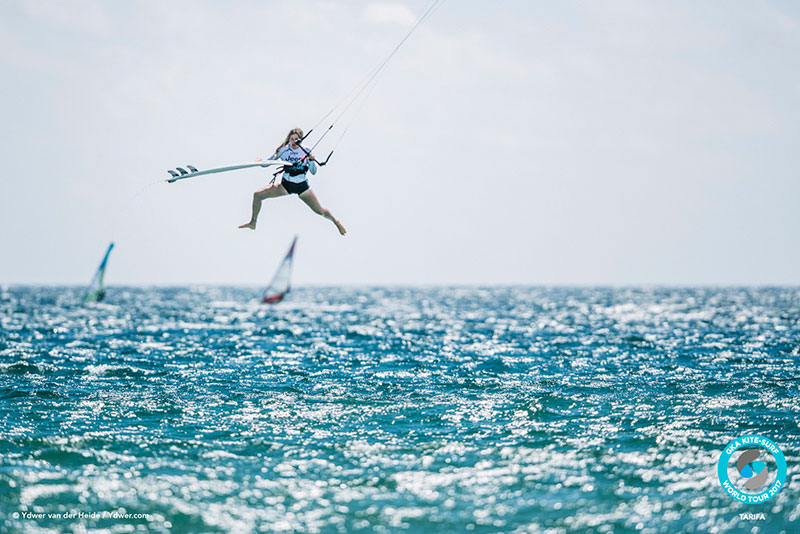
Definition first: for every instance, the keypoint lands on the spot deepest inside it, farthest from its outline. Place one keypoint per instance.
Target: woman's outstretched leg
(310, 199)
(271, 191)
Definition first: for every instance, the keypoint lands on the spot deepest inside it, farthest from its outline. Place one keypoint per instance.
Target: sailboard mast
(281, 282)
(96, 291)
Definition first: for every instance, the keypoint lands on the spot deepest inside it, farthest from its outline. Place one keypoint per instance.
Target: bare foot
(250, 225)
(341, 227)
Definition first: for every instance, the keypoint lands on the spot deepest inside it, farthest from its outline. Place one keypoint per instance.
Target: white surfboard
(182, 173)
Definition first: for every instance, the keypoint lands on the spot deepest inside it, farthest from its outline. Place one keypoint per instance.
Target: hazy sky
(618, 142)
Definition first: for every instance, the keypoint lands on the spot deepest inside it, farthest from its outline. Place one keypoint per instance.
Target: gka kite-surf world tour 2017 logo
(753, 480)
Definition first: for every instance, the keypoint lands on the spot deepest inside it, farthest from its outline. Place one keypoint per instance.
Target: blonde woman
(293, 181)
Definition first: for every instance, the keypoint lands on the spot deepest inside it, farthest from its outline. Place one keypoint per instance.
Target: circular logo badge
(751, 474)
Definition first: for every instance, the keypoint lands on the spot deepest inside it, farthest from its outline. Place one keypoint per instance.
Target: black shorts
(295, 188)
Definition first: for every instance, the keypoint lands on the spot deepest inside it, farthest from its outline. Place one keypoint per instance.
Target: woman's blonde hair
(292, 132)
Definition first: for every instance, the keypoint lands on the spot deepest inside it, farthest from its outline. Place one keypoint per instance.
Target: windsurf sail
(97, 290)
(181, 174)
(281, 282)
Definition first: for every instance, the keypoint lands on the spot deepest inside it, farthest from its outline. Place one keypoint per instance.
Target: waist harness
(296, 169)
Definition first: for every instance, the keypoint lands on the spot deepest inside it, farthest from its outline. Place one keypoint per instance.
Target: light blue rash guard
(291, 155)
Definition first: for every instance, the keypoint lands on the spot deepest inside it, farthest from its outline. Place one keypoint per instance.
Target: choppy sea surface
(424, 410)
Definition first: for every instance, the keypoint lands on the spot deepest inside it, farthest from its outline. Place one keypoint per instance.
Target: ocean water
(424, 410)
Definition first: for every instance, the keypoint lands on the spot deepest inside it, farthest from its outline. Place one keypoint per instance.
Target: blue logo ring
(751, 441)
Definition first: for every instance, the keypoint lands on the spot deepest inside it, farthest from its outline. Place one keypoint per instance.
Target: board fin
(191, 168)
(182, 171)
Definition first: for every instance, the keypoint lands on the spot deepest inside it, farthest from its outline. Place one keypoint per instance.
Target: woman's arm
(274, 156)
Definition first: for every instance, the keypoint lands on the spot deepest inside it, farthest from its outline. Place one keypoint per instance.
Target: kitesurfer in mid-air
(293, 181)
